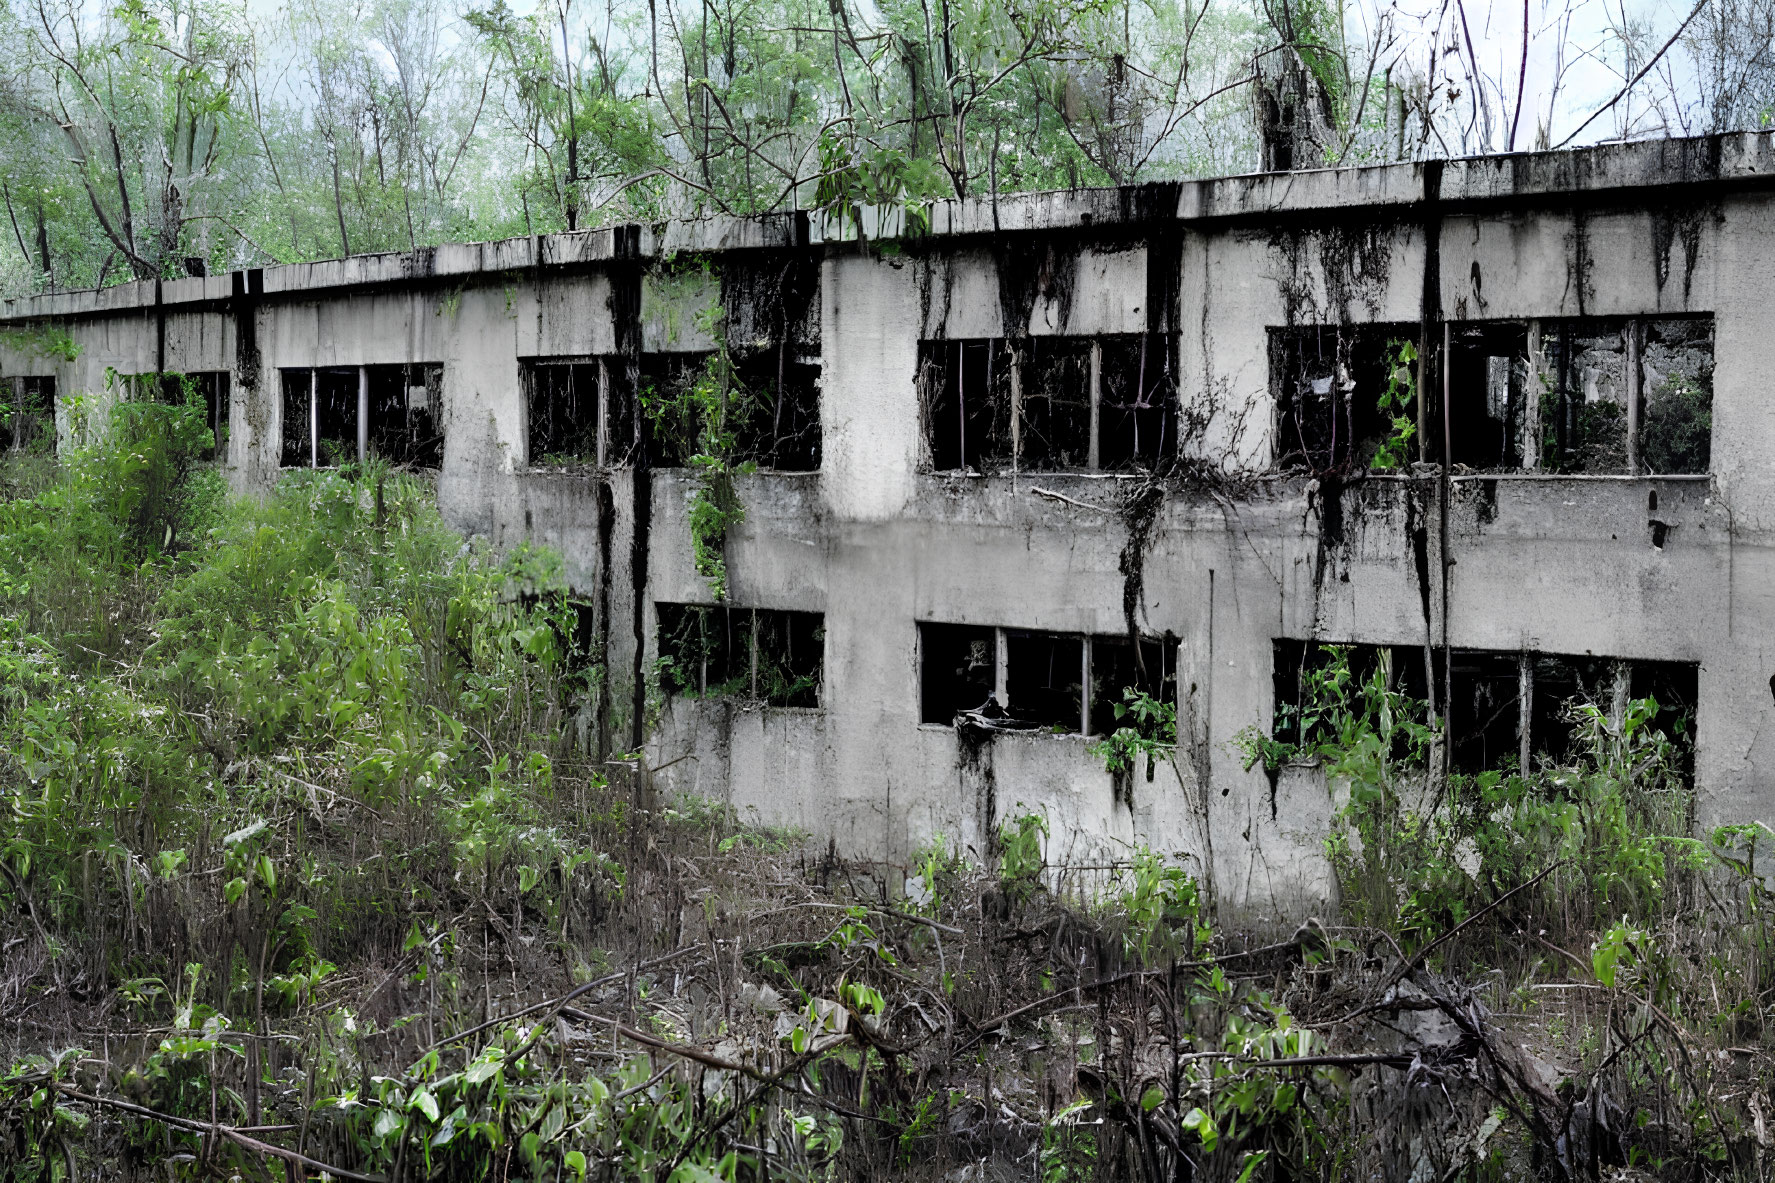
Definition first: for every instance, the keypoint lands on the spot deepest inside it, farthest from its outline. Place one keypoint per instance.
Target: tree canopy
(170, 137)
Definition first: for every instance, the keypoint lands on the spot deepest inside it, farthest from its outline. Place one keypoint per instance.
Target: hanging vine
(708, 410)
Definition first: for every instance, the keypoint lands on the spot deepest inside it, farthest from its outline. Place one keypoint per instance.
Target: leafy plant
(1020, 858)
(1397, 405)
(711, 407)
(1149, 733)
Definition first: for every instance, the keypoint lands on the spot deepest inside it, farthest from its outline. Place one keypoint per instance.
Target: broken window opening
(1061, 682)
(1045, 679)
(1485, 712)
(1137, 403)
(1585, 411)
(965, 399)
(1610, 396)
(777, 426)
(1329, 382)
(1675, 428)
(1115, 671)
(206, 387)
(1494, 695)
(346, 414)
(617, 413)
(669, 408)
(561, 411)
(770, 418)
(766, 654)
(406, 414)
(27, 413)
(958, 670)
(1051, 404)
(1057, 404)
(1489, 385)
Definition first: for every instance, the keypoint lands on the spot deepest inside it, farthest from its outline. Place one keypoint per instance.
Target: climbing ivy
(43, 341)
(1397, 403)
(714, 406)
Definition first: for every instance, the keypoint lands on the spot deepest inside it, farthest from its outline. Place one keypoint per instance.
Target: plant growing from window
(1147, 729)
(713, 405)
(1396, 406)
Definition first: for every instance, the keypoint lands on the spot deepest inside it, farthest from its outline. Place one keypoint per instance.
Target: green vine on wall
(45, 341)
(1397, 406)
(713, 407)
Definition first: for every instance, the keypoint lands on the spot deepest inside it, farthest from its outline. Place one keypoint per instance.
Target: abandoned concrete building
(1043, 448)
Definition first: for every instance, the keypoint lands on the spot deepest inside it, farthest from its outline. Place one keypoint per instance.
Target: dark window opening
(1055, 392)
(1584, 412)
(1137, 404)
(1559, 681)
(775, 411)
(759, 653)
(298, 435)
(1486, 715)
(335, 418)
(1102, 403)
(1625, 396)
(27, 413)
(206, 388)
(965, 399)
(1064, 682)
(406, 405)
(561, 411)
(668, 408)
(1675, 687)
(1331, 385)
(768, 415)
(1045, 679)
(1114, 671)
(320, 417)
(1485, 711)
(1676, 422)
(340, 415)
(958, 670)
(1308, 671)
(1488, 381)
(618, 414)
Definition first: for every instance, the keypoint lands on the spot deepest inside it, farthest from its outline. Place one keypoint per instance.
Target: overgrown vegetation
(1398, 407)
(302, 870)
(163, 138)
(707, 412)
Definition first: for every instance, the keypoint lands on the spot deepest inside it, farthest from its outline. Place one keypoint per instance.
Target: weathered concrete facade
(1605, 273)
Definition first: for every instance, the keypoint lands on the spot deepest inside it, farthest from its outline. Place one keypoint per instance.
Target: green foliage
(46, 341)
(1397, 404)
(1162, 912)
(1611, 819)
(1149, 733)
(1676, 434)
(710, 409)
(1020, 858)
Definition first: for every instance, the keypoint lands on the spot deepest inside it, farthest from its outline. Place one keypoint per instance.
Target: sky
(1575, 60)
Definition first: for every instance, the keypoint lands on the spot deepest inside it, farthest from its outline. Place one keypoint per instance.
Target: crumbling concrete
(1591, 556)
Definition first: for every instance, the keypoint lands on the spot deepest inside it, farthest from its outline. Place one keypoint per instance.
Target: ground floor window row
(1048, 404)
(1605, 395)
(27, 413)
(336, 415)
(756, 406)
(765, 654)
(1063, 682)
(27, 404)
(1506, 710)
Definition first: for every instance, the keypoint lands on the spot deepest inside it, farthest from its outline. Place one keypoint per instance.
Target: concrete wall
(1240, 555)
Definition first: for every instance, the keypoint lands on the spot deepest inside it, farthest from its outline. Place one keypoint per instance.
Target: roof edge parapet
(1734, 158)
